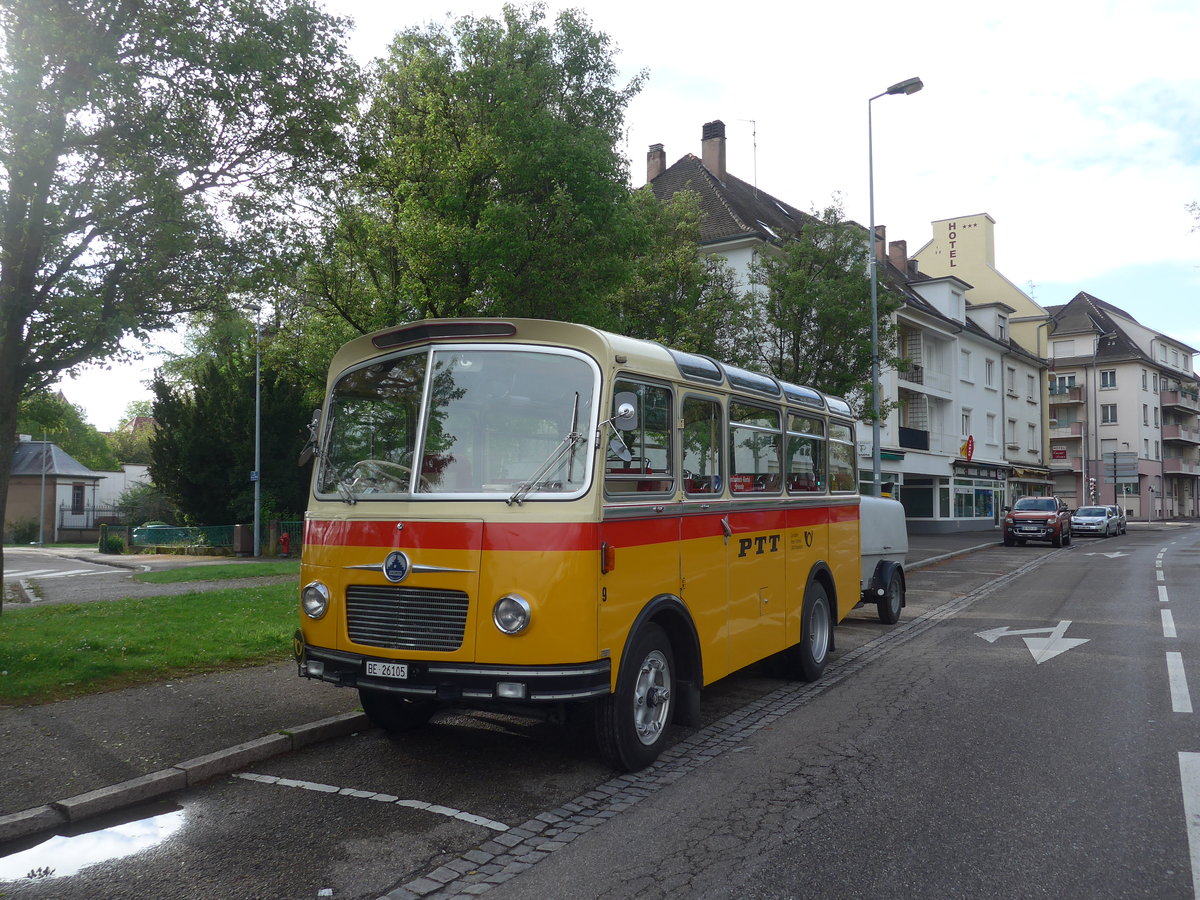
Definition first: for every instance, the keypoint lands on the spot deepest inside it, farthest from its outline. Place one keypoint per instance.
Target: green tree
(489, 183)
(134, 140)
(815, 311)
(676, 296)
(202, 452)
(63, 423)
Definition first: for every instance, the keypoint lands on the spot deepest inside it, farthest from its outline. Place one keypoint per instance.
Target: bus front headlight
(511, 614)
(314, 599)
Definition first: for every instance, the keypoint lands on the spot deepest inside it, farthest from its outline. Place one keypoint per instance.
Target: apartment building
(1122, 394)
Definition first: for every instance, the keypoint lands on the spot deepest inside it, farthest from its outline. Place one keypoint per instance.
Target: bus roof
(647, 357)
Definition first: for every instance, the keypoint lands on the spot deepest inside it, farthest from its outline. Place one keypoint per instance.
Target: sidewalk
(77, 758)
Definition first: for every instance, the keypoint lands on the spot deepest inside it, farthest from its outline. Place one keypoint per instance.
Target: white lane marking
(1162, 593)
(1159, 575)
(434, 808)
(27, 573)
(1168, 623)
(1181, 699)
(1189, 779)
(1041, 648)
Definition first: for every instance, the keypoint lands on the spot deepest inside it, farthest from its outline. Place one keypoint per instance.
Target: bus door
(756, 532)
(640, 528)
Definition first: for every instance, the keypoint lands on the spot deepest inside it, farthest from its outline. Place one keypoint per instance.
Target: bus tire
(892, 601)
(632, 722)
(806, 660)
(393, 713)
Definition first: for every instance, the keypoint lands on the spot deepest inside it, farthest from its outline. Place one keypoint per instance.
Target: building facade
(1126, 412)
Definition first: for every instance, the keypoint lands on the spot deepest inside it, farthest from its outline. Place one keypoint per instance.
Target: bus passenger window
(754, 449)
(805, 455)
(648, 467)
(841, 458)
(701, 446)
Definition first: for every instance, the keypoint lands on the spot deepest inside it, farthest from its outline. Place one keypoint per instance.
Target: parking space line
(1181, 698)
(1189, 778)
(1168, 623)
(447, 811)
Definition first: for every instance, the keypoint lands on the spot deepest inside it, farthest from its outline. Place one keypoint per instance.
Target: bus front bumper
(450, 681)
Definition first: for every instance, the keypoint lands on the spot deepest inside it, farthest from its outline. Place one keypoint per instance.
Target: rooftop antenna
(754, 142)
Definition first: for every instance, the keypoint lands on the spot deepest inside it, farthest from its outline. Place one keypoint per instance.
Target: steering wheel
(376, 470)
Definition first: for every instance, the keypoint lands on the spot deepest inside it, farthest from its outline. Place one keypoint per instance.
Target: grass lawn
(221, 572)
(57, 652)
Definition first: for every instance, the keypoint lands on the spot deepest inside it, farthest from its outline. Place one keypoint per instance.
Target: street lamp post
(908, 86)
(257, 433)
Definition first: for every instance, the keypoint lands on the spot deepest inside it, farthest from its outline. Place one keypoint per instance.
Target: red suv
(1037, 519)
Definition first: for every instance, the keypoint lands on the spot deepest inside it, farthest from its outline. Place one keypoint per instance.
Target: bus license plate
(387, 670)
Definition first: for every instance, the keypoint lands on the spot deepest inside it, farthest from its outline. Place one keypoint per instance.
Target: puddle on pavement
(72, 849)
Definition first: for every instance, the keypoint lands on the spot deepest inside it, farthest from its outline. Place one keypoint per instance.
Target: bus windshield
(487, 422)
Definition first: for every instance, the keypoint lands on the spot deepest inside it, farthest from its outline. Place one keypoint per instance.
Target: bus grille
(406, 618)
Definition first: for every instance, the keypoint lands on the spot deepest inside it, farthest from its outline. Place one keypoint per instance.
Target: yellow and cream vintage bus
(531, 515)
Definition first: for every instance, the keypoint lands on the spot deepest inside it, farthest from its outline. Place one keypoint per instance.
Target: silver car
(1093, 520)
(1119, 514)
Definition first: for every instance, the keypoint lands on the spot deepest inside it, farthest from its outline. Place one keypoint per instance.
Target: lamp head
(908, 86)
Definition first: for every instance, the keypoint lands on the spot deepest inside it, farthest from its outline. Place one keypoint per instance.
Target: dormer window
(1002, 328)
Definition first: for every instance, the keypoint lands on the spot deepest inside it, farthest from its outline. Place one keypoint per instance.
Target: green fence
(177, 536)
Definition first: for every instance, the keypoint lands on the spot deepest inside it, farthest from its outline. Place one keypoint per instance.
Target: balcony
(1181, 433)
(1179, 466)
(1063, 395)
(914, 439)
(914, 375)
(1066, 432)
(1180, 400)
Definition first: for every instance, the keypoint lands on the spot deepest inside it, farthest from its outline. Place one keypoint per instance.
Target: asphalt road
(942, 757)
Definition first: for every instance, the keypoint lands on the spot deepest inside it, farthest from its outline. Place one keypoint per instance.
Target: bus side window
(701, 446)
(805, 455)
(649, 467)
(754, 449)
(841, 458)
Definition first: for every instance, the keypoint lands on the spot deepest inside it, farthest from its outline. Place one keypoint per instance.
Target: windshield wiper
(566, 445)
(346, 492)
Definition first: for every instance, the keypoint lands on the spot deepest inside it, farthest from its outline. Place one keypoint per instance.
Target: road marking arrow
(1042, 648)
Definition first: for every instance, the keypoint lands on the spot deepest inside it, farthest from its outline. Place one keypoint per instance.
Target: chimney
(898, 255)
(712, 148)
(656, 161)
(880, 243)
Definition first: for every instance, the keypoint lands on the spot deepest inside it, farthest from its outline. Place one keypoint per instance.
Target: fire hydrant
(285, 541)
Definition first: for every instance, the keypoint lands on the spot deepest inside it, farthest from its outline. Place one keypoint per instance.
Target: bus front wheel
(632, 723)
(394, 714)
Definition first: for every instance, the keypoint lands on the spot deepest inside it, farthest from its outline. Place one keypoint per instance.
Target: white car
(1094, 520)
(1119, 515)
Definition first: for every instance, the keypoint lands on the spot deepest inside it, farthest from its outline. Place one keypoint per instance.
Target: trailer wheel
(395, 714)
(890, 603)
(632, 723)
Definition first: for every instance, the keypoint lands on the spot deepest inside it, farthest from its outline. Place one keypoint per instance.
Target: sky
(1075, 126)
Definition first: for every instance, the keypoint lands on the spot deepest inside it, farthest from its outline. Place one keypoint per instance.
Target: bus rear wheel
(393, 713)
(632, 723)
(806, 660)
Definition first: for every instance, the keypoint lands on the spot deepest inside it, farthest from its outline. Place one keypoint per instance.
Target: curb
(186, 774)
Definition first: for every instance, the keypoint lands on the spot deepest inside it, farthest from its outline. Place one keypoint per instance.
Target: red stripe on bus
(454, 535)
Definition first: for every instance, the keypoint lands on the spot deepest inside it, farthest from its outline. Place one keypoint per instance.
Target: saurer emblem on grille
(396, 566)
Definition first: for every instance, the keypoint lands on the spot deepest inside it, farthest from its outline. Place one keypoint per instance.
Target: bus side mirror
(310, 448)
(625, 411)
